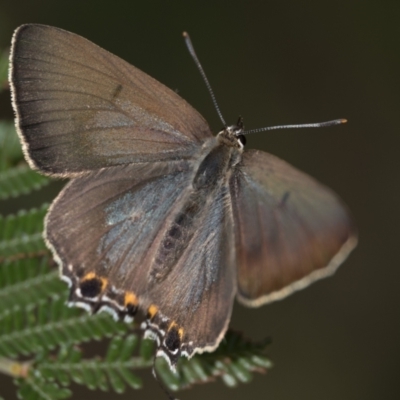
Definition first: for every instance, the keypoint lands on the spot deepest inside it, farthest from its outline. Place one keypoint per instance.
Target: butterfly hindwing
(116, 214)
(109, 243)
(81, 108)
(289, 229)
(197, 296)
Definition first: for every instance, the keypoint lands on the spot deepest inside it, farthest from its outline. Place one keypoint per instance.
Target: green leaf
(26, 282)
(49, 325)
(173, 380)
(115, 371)
(195, 371)
(10, 148)
(35, 387)
(22, 233)
(114, 349)
(61, 375)
(240, 370)
(132, 380)
(20, 180)
(146, 349)
(116, 381)
(128, 346)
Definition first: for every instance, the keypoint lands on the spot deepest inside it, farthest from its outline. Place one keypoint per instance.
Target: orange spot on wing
(172, 325)
(152, 311)
(104, 283)
(89, 276)
(130, 298)
(180, 333)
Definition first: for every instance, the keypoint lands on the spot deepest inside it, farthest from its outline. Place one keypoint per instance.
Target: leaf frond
(114, 372)
(10, 148)
(24, 331)
(235, 361)
(35, 387)
(26, 282)
(22, 233)
(20, 180)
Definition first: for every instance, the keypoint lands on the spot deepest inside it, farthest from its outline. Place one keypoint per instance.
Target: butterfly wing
(103, 218)
(197, 296)
(290, 230)
(107, 243)
(80, 108)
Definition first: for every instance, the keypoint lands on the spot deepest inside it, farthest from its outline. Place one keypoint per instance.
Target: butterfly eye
(242, 139)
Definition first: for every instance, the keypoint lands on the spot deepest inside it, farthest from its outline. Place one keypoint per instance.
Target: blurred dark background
(284, 62)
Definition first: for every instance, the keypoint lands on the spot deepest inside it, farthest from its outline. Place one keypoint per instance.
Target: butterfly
(160, 215)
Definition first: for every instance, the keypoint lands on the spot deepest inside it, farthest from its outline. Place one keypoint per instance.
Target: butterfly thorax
(215, 165)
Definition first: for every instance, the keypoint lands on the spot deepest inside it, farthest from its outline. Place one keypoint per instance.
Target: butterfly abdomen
(178, 235)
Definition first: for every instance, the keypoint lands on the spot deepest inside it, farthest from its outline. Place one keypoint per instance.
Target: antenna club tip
(185, 34)
(343, 121)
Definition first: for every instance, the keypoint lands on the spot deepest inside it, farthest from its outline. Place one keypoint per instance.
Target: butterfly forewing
(290, 230)
(81, 108)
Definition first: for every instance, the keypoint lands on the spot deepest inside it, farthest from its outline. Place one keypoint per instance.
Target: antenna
(190, 47)
(315, 125)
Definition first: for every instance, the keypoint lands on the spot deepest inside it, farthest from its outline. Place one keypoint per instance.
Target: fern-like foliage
(112, 372)
(43, 342)
(28, 281)
(16, 178)
(20, 180)
(36, 387)
(21, 234)
(234, 361)
(24, 331)
(10, 148)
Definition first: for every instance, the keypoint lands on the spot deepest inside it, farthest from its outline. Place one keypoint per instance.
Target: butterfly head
(233, 135)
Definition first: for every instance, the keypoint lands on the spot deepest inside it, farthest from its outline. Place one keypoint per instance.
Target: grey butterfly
(160, 215)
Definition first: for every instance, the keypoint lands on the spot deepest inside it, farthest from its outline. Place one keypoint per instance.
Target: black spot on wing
(173, 340)
(131, 310)
(91, 287)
